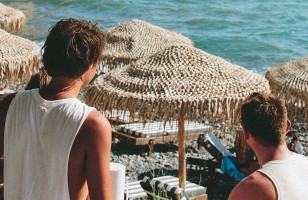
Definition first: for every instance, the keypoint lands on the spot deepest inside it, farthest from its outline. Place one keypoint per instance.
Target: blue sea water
(255, 34)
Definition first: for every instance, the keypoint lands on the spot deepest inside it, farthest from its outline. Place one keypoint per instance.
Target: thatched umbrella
(290, 82)
(11, 18)
(137, 39)
(19, 57)
(180, 82)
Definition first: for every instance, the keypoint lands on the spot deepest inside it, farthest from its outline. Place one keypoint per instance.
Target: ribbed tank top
(38, 137)
(290, 177)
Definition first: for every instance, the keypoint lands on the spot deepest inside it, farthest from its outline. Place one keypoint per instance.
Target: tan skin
(88, 168)
(258, 186)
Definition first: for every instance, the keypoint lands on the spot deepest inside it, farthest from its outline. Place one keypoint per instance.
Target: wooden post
(151, 147)
(200, 141)
(181, 141)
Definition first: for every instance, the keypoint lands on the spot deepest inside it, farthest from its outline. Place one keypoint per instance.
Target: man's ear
(288, 126)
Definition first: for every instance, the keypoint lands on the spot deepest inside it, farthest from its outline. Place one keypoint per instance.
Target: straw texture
(11, 18)
(289, 81)
(38, 80)
(19, 57)
(137, 39)
(207, 86)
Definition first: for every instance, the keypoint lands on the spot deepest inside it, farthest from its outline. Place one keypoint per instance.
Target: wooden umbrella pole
(181, 140)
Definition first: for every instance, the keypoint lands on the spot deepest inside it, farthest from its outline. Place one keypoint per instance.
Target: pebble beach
(164, 161)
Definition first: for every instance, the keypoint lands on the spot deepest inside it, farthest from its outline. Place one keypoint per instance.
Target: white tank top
(290, 177)
(38, 137)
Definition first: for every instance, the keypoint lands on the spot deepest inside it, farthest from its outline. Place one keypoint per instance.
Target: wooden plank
(144, 141)
(118, 121)
(201, 197)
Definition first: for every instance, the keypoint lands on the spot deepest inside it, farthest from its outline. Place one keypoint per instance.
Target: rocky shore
(164, 161)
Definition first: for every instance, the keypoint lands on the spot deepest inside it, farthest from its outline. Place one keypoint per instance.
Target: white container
(117, 172)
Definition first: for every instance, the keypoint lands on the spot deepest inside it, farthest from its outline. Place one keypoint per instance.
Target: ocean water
(255, 34)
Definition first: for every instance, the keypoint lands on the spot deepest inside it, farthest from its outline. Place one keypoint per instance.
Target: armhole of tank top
(272, 181)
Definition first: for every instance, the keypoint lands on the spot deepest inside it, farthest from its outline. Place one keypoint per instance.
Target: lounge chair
(155, 132)
(219, 167)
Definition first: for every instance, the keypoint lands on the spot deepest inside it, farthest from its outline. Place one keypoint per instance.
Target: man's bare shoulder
(97, 152)
(96, 127)
(6, 101)
(256, 186)
(4, 106)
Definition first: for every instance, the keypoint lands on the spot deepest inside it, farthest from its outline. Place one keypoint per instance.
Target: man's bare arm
(255, 187)
(98, 156)
(4, 106)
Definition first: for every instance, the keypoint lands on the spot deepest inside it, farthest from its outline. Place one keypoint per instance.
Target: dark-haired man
(54, 146)
(283, 174)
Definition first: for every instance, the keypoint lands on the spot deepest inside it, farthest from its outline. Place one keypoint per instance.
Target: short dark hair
(71, 47)
(265, 117)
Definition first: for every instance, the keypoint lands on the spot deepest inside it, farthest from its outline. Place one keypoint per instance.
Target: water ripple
(256, 34)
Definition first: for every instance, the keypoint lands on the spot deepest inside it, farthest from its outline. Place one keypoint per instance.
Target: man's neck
(266, 154)
(61, 88)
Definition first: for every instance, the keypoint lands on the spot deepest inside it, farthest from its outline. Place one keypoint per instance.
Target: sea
(255, 34)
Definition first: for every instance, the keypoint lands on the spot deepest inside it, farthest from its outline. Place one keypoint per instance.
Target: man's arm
(255, 187)
(97, 152)
(4, 106)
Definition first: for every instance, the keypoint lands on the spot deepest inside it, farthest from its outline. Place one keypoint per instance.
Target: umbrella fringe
(12, 19)
(13, 24)
(223, 111)
(21, 70)
(288, 82)
(22, 57)
(296, 103)
(115, 62)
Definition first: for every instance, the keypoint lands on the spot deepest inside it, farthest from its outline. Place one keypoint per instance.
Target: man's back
(66, 145)
(38, 138)
(278, 179)
(283, 174)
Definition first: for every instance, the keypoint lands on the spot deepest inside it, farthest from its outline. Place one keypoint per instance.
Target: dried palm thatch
(289, 81)
(137, 39)
(11, 18)
(179, 82)
(207, 86)
(19, 57)
(38, 80)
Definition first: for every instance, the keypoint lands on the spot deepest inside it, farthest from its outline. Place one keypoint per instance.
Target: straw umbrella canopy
(19, 57)
(137, 39)
(181, 83)
(11, 18)
(290, 82)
